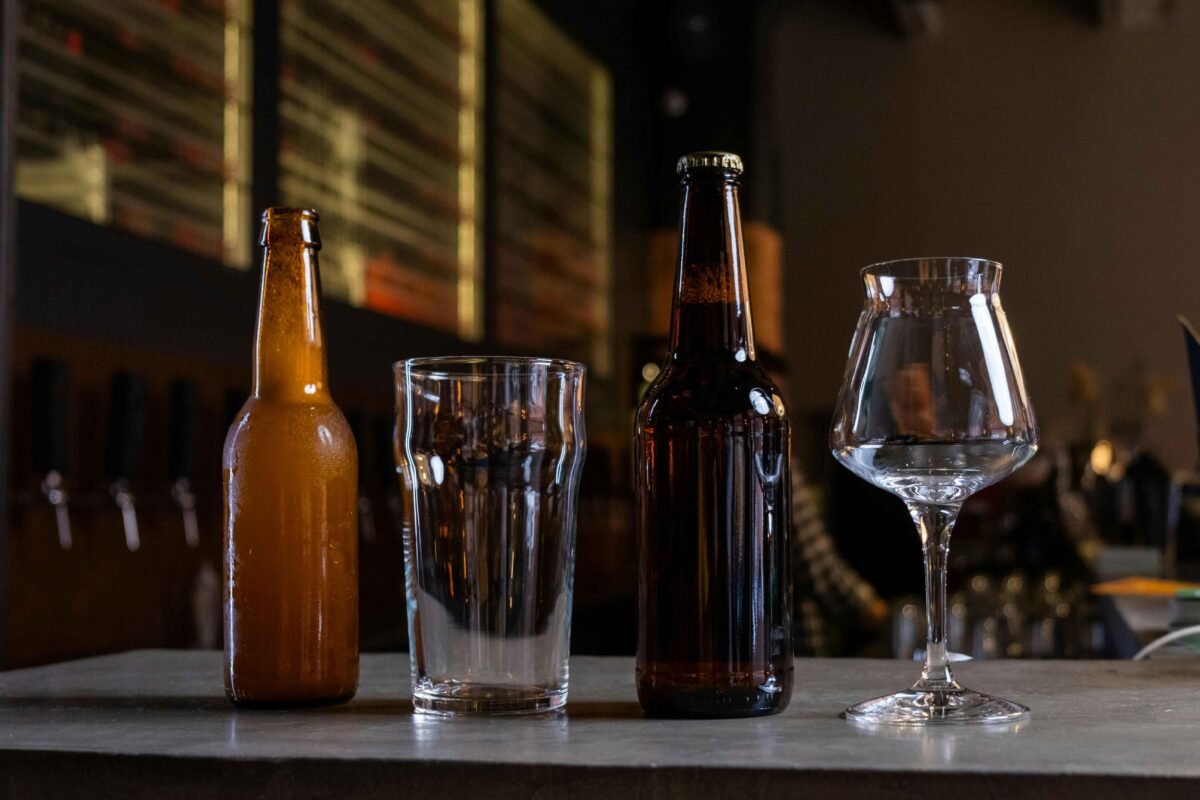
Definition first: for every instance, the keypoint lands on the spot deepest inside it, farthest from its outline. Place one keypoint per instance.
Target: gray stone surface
(156, 724)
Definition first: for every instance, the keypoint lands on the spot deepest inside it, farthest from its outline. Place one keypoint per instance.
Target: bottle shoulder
(710, 389)
(287, 429)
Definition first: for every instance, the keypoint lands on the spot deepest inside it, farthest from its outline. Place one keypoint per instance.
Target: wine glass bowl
(933, 408)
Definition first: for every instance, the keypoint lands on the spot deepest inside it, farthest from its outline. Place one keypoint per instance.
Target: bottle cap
(714, 159)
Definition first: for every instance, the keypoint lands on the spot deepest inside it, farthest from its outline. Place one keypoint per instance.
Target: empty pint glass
(489, 451)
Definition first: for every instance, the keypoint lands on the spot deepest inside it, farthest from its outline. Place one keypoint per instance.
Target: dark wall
(683, 77)
(1025, 134)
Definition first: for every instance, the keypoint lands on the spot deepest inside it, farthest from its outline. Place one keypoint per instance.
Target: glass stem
(934, 524)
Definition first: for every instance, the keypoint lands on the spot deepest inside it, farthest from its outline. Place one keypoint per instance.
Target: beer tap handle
(366, 518)
(181, 493)
(126, 418)
(385, 471)
(62, 519)
(180, 447)
(385, 459)
(232, 404)
(366, 515)
(52, 487)
(124, 498)
(49, 380)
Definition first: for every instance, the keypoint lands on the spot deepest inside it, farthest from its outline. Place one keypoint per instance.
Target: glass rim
(467, 367)
(918, 268)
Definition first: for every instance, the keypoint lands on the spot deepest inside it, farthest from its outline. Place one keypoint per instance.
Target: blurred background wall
(1023, 133)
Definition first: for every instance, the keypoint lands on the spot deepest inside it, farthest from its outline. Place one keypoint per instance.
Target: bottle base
(270, 703)
(708, 699)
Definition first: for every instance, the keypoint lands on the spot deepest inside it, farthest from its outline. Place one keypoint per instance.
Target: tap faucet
(366, 514)
(49, 379)
(181, 443)
(126, 416)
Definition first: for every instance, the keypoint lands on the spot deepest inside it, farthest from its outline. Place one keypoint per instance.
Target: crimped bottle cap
(710, 158)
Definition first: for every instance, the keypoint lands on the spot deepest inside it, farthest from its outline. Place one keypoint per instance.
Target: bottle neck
(289, 343)
(712, 307)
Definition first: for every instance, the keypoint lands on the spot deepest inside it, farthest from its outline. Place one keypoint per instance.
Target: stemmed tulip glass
(933, 408)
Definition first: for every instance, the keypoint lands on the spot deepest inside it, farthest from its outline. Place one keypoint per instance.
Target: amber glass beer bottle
(711, 451)
(291, 495)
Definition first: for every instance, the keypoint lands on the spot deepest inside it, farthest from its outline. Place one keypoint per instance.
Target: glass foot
(451, 698)
(915, 707)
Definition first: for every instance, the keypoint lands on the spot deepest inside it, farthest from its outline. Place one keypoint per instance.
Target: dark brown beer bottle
(712, 447)
(291, 497)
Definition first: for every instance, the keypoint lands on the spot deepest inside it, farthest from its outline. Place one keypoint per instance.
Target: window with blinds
(134, 113)
(380, 108)
(553, 118)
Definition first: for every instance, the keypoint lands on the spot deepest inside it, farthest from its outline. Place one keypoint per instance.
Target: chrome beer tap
(49, 379)
(389, 477)
(366, 516)
(126, 415)
(181, 441)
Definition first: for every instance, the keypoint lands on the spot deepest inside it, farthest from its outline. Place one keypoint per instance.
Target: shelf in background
(553, 152)
(136, 115)
(380, 108)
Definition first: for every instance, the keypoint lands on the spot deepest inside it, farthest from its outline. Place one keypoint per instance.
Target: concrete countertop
(156, 724)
